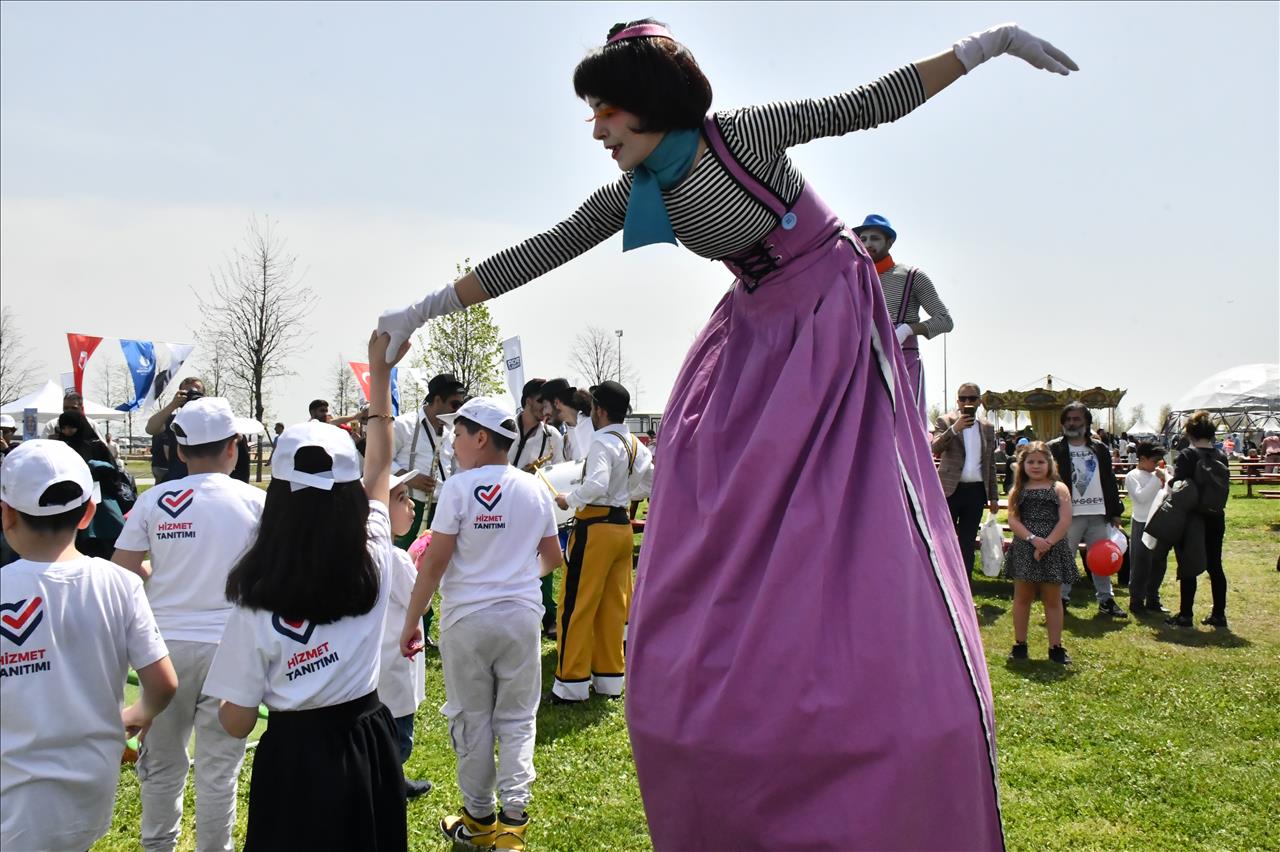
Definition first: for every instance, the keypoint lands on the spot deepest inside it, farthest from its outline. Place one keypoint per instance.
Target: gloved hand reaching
(904, 331)
(402, 323)
(975, 49)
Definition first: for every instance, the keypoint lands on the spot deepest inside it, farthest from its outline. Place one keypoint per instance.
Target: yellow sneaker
(511, 832)
(469, 831)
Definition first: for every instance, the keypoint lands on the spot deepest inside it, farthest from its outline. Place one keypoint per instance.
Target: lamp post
(619, 333)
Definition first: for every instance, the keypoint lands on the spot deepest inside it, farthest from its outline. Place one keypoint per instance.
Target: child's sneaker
(1058, 654)
(1019, 651)
(469, 831)
(511, 831)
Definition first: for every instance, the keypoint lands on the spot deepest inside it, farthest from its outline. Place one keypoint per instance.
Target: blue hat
(875, 220)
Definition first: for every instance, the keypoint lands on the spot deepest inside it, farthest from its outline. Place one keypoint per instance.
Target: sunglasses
(455, 404)
(968, 398)
(602, 112)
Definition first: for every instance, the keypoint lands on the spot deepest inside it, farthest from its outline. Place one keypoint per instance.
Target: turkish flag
(362, 376)
(82, 346)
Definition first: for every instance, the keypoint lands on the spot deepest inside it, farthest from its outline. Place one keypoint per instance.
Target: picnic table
(1252, 472)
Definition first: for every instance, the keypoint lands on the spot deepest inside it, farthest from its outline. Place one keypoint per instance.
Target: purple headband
(640, 31)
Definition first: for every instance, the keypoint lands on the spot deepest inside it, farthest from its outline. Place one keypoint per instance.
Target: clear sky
(1118, 227)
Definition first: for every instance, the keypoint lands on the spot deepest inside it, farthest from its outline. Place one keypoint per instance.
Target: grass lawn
(1153, 739)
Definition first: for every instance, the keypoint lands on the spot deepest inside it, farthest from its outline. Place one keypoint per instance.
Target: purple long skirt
(805, 669)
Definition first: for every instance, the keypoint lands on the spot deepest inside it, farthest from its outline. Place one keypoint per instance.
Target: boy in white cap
(493, 526)
(196, 528)
(71, 627)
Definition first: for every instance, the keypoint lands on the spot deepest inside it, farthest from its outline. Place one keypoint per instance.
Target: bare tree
(17, 369)
(113, 386)
(255, 312)
(594, 358)
(344, 388)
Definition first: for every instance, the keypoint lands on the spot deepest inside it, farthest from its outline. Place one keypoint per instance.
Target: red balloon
(1104, 558)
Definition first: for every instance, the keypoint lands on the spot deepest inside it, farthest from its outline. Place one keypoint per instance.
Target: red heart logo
(489, 495)
(176, 502)
(298, 631)
(27, 614)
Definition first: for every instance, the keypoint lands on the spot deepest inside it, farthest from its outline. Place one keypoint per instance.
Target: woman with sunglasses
(779, 696)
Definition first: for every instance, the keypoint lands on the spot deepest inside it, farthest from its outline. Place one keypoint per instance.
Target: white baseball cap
(33, 466)
(209, 419)
(7, 422)
(490, 412)
(334, 441)
(398, 478)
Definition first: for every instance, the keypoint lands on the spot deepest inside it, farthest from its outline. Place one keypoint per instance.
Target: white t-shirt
(402, 683)
(69, 631)
(1143, 486)
(287, 665)
(499, 515)
(196, 528)
(1086, 482)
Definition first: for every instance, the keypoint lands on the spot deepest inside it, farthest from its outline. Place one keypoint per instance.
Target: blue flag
(395, 391)
(140, 355)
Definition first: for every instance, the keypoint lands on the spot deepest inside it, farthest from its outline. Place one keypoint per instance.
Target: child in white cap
(493, 525)
(70, 628)
(305, 638)
(196, 529)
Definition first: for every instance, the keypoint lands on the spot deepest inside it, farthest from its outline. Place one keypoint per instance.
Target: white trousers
(163, 761)
(492, 679)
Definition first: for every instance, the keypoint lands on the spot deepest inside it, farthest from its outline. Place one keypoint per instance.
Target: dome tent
(1245, 398)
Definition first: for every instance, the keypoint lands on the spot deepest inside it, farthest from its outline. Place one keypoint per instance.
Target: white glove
(904, 331)
(973, 50)
(403, 323)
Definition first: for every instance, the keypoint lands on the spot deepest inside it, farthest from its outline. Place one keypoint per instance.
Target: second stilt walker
(779, 695)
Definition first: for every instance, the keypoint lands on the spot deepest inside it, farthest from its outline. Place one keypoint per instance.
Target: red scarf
(883, 266)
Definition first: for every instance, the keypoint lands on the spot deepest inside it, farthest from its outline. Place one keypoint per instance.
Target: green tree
(467, 344)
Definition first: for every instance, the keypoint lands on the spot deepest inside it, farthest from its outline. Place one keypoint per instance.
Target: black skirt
(328, 778)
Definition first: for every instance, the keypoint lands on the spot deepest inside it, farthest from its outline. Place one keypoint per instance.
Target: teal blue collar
(647, 221)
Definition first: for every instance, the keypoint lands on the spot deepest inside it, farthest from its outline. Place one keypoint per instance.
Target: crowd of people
(314, 599)
(1065, 493)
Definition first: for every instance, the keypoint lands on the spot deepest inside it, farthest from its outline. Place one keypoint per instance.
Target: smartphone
(969, 410)
(193, 394)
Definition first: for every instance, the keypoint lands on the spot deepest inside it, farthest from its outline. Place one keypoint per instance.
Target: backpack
(1213, 480)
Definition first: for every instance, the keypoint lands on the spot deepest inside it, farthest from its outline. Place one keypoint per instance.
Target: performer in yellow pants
(594, 593)
(596, 588)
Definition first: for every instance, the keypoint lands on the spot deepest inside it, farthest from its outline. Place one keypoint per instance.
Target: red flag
(361, 369)
(82, 346)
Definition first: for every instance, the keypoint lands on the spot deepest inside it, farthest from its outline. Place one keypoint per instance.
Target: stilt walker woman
(809, 678)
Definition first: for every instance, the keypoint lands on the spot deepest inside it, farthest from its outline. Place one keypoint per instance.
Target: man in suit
(964, 443)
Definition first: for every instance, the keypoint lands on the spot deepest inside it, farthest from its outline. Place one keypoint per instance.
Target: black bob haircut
(656, 79)
(502, 442)
(63, 522)
(310, 559)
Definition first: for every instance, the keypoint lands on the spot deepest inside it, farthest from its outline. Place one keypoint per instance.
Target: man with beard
(1085, 465)
(906, 290)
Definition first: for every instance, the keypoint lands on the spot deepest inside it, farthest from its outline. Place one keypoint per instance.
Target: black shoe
(1111, 608)
(1156, 606)
(1058, 654)
(1216, 621)
(1019, 651)
(1137, 608)
(1179, 621)
(413, 788)
(552, 698)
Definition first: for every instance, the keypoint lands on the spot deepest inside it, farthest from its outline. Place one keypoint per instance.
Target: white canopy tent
(47, 401)
(1245, 398)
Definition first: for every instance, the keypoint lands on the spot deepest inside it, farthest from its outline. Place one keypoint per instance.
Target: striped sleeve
(600, 217)
(924, 294)
(772, 128)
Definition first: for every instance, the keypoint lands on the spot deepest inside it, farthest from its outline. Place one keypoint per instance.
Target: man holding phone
(965, 445)
(158, 426)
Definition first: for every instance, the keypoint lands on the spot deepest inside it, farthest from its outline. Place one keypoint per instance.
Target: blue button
(788, 221)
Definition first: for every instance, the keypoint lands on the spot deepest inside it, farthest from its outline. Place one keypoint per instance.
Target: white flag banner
(170, 358)
(515, 367)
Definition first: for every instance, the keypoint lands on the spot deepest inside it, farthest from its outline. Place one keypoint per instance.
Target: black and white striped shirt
(710, 213)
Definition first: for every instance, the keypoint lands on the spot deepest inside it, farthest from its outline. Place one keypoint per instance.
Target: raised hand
(975, 49)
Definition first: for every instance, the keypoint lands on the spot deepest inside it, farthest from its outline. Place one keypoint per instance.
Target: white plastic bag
(1118, 538)
(992, 546)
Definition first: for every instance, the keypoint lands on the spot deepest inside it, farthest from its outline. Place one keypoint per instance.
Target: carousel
(1043, 404)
